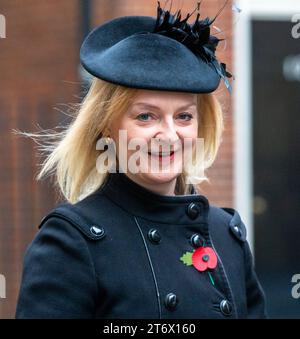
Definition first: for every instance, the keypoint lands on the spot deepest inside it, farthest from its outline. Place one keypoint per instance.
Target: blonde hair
(71, 154)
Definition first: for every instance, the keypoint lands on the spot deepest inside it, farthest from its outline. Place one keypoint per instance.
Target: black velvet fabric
(124, 51)
(72, 272)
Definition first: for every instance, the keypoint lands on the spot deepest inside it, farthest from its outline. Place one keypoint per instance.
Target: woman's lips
(163, 156)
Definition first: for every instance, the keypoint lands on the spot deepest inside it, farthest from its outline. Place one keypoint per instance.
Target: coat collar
(139, 201)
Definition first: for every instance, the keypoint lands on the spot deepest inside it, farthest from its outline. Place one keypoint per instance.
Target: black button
(225, 307)
(197, 240)
(97, 231)
(237, 230)
(193, 210)
(154, 236)
(171, 301)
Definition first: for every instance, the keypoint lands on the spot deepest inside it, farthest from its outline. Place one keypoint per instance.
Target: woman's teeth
(167, 154)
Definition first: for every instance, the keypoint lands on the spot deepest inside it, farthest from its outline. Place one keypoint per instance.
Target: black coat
(116, 254)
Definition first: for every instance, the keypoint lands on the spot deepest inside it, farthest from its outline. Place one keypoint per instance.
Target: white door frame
(243, 176)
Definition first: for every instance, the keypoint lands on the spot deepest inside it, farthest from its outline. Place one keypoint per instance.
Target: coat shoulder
(229, 218)
(80, 216)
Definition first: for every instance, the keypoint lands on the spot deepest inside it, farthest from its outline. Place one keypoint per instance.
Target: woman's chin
(160, 178)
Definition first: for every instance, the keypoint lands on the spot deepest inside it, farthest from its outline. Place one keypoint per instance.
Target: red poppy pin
(203, 258)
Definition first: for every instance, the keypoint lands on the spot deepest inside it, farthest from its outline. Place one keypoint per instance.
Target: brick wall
(38, 72)
(38, 65)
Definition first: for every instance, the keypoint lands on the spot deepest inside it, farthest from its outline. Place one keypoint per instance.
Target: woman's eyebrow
(150, 106)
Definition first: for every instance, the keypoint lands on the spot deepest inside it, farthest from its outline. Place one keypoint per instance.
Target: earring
(108, 140)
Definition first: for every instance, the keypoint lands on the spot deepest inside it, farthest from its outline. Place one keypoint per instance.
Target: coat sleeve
(58, 278)
(255, 294)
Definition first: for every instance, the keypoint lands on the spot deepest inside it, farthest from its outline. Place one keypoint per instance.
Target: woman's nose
(168, 133)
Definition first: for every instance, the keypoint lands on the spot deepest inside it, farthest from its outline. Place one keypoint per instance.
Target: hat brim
(124, 51)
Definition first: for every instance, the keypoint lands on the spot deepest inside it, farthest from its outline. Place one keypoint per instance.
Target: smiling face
(161, 119)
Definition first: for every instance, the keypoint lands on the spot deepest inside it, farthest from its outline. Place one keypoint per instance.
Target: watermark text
(296, 28)
(296, 288)
(155, 156)
(2, 26)
(2, 287)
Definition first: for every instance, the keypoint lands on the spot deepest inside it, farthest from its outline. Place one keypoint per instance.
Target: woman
(135, 239)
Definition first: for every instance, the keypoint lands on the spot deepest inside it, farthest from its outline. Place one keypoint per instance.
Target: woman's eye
(144, 116)
(185, 116)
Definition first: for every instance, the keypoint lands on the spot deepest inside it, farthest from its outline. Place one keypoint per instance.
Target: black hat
(162, 53)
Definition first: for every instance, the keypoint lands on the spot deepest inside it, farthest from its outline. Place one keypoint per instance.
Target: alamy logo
(296, 28)
(2, 26)
(296, 288)
(2, 287)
